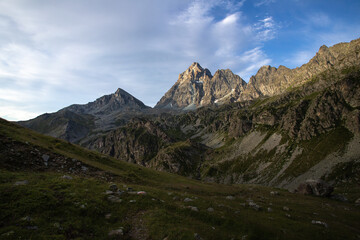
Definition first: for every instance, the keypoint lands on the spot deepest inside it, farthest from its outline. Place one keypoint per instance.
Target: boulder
(116, 232)
(24, 182)
(315, 187)
(319, 223)
(113, 187)
(67, 177)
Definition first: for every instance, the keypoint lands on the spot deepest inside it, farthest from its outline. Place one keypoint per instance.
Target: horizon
(59, 53)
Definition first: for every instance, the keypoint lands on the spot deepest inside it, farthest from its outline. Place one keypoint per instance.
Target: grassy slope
(51, 207)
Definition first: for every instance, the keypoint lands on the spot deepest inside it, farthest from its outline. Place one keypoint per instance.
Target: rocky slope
(52, 189)
(77, 121)
(311, 130)
(196, 87)
(271, 81)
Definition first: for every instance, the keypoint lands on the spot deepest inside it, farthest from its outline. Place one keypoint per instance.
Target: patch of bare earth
(138, 228)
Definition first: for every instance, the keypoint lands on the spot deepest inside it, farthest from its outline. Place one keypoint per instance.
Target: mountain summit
(108, 104)
(196, 87)
(75, 122)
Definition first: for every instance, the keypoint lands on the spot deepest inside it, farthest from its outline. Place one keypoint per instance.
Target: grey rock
(116, 232)
(195, 209)
(357, 201)
(210, 209)
(254, 206)
(27, 219)
(113, 187)
(67, 177)
(319, 223)
(197, 236)
(19, 183)
(230, 197)
(114, 199)
(45, 157)
(188, 200)
(269, 209)
(274, 193)
(286, 208)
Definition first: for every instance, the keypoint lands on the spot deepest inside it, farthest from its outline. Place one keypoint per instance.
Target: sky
(54, 53)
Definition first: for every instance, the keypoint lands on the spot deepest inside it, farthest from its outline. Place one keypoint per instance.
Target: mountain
(196, 87)
(52, 189)
(286, 133)
(295, 129)
(109, 104)
(283, 127)
(77, 121)
(271, 81)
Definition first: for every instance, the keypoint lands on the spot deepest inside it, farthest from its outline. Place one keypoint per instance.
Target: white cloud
(263, 2)
(15, 113)
(53, 54)
(266, 29)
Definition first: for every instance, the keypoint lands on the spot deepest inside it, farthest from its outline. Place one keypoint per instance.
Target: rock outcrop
(315, 187)
(137, 142)
(196, 87)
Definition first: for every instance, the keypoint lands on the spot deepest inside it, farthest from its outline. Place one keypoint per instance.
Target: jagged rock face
(182, 158)
(225, 86)
(197, 87)
(188, 90)
(137, 142)
(271, 81)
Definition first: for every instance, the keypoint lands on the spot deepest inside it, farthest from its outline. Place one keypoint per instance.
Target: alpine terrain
(216, 158)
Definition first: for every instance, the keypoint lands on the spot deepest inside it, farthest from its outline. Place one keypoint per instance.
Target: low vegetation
(56, 204)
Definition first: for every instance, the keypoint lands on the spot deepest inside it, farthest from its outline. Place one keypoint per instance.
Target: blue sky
(58, 52)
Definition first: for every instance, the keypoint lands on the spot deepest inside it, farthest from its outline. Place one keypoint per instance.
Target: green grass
(50, 207)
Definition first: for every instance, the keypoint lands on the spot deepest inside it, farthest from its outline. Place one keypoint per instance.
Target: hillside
(310, 131)
(52, 189)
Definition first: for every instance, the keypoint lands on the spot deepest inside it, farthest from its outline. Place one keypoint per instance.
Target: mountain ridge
(276, 135)
(77, 121)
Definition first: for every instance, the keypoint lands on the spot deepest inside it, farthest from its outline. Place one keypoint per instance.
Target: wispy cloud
(266, 29)
(68, 52)
(263, 2)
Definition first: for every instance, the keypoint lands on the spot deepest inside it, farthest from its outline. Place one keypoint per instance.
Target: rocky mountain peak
(120, 92)
(196, 87)
(195, 66)
(194, 73)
